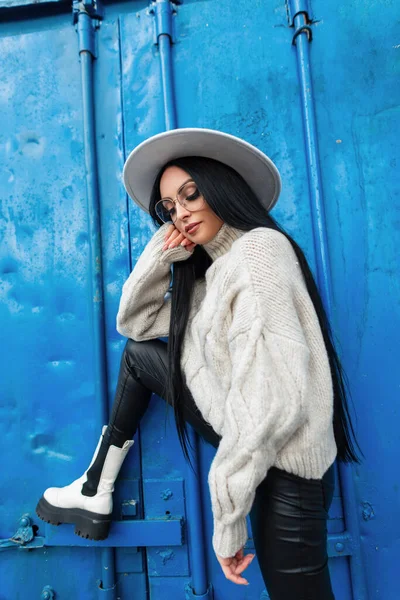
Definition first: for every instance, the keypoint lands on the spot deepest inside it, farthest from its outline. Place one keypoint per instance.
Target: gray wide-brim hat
(145, 161)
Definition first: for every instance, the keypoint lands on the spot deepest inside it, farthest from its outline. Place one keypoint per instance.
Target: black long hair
(232, 199)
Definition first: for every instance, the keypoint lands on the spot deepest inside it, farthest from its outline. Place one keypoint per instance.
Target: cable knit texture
(253, 358)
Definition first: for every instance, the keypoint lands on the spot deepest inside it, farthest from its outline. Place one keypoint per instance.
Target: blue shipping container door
(314, 86)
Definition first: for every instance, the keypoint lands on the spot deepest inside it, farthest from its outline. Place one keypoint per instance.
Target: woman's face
(171, 180)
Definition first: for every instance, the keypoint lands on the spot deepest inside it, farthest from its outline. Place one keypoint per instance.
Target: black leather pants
(289, 514)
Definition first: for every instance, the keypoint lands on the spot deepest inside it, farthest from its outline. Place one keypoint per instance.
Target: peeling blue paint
(246, 83)
(166, 494)
(166, 555)
(368, 511)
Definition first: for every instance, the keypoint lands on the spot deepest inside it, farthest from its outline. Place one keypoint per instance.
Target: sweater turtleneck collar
(222, 242)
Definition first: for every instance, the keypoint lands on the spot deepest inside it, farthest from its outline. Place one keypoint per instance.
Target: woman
(249, 362)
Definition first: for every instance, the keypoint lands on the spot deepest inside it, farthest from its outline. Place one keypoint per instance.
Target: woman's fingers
(190, 246)
(171, 239)
(234, 566)
(174, 237)
(236, 578)
(233, 569)
(229, 574)
(244, 563)
(170, 230)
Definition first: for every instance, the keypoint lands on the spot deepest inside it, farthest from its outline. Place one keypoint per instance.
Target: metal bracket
(299, 30)
(86, 16)
(127, 534)
(295, 8)
(163, 11)
(124, 534)
(190, 594)
(93, 8)
(25, 537)
(340, 544)
(129, 509)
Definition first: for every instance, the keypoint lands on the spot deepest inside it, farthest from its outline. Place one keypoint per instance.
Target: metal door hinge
(25, 537)
(163, 12)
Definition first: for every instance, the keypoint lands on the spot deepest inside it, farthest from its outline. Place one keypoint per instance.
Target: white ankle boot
(90, 514)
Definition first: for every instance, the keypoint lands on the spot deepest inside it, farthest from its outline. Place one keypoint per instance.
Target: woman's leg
(87, 501)
(143, 371)
(288, 521)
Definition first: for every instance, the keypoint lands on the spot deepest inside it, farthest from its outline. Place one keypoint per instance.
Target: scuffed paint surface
(246, 84)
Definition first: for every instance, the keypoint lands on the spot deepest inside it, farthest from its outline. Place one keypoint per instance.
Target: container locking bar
(124, 534)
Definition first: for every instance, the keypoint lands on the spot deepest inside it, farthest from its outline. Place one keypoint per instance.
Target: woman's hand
(232, 567)
(174, 238)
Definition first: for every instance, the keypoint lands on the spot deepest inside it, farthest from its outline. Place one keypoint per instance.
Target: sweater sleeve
(143, 312)
(264, 405)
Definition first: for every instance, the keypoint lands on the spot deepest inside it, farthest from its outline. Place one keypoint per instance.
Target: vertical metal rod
(164, 44)
(108, 585)
(194, 506)
(85, 33)
(194, 522)
(324, 282)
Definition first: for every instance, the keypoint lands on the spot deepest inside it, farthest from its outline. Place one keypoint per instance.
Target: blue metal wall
(325, 108)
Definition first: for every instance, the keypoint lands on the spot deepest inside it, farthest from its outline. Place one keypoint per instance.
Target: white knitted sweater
(253, 358)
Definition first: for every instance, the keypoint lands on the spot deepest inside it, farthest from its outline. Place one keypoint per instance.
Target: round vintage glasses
(188, 196)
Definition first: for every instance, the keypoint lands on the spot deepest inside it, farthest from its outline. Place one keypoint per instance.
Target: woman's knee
(148, 356)
(137, 351)
(133, 348)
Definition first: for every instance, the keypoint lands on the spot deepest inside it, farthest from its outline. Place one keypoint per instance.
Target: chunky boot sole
(89, 525)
